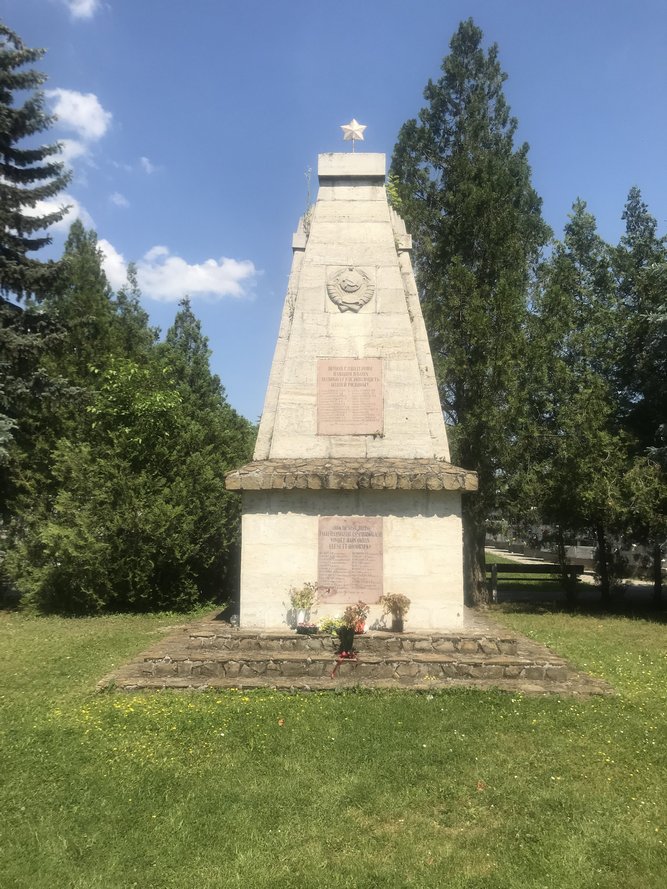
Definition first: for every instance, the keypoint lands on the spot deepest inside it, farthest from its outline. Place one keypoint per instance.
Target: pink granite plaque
(349, 396)
(350, 559)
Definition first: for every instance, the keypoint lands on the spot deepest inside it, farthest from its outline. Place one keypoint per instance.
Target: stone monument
(351, 482)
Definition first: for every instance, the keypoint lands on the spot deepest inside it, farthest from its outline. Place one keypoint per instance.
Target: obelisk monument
(351, 484)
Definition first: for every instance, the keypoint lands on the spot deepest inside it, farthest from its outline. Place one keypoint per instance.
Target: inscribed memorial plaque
(349, 564)
(349, 396)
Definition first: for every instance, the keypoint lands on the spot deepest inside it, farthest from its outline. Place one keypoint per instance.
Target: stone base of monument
(213, 655)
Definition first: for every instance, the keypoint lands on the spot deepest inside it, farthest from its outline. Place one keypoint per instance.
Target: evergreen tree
(29, 393)
(640, 265)
(81, 317)
(56, 377)
(186, 349)
(582, 455)
(465, 192)
(138, 517)
(84, 305)
(186, 352)
(134, 337)
(646, 496)
(28, 175)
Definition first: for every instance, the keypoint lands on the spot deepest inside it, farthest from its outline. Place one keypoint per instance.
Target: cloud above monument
(82, 9)
(165, 277)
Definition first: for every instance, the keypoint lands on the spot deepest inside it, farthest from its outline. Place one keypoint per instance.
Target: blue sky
(190, 127)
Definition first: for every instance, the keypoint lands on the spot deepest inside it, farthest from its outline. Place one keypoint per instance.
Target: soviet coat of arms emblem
(350, 289)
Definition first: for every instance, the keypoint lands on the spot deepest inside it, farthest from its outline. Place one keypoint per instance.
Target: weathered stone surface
(352, 408)
(408, 669)
(165, 668)
(347, 165)
(443, 646)
(292, 668)
(558, 674)
(487, 647)
(534, 672)
(506, 646)
(276, 664)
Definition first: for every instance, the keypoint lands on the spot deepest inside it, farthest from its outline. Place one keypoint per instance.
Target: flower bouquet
(398, 606)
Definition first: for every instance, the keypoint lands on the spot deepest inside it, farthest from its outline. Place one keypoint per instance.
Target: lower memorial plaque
(350, 559)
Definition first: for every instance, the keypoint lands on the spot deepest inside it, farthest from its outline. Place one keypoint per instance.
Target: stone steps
(374, 642)
(213, 655)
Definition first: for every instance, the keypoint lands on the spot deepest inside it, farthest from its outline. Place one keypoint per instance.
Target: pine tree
(84, 305)
(134, 337)
(640, 265)
(28, 175)
(465, 192)
(581, 455)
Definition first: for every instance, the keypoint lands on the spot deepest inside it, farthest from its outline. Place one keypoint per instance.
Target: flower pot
(346, 637)
(306, 630)
(396, 624)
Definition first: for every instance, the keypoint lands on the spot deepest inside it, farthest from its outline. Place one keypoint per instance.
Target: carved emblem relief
(350, 289)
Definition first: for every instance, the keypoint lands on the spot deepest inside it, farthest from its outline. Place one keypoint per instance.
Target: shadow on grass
(633, 602)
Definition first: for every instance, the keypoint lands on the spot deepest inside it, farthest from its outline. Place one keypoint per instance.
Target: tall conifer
(465, 192)
(29, 174)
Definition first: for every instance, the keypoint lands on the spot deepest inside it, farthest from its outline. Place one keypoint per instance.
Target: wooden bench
(521, 568)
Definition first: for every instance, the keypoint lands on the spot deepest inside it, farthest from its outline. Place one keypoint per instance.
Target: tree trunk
(568, 579)
(474, 563)
(657, 574)
(603, 564)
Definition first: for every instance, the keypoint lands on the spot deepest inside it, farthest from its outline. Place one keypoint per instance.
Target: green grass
(500, 560)
(456, 789)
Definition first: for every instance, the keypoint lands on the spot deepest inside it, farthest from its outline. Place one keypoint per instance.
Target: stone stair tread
(589, 687)
(217, 632)
(253, 656)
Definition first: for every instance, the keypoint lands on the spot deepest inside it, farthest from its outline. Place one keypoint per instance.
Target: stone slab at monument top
(351, 482)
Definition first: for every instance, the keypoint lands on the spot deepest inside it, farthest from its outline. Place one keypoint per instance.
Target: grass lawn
(451, 789)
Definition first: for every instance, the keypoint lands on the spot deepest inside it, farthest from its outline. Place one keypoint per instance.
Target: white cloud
(168, 278)
(82, 9)
(76, 211)
(80, 112)
(119, 199)
(72, 149)
(147, 166)
(155, 253)
(115, 266)
(127, 168)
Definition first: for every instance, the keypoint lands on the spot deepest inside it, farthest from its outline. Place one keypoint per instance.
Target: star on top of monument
(353, 130)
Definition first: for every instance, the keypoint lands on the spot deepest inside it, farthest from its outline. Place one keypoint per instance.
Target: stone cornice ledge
(344, 474)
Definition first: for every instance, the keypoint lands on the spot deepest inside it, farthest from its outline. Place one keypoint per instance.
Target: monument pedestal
(351, 483)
